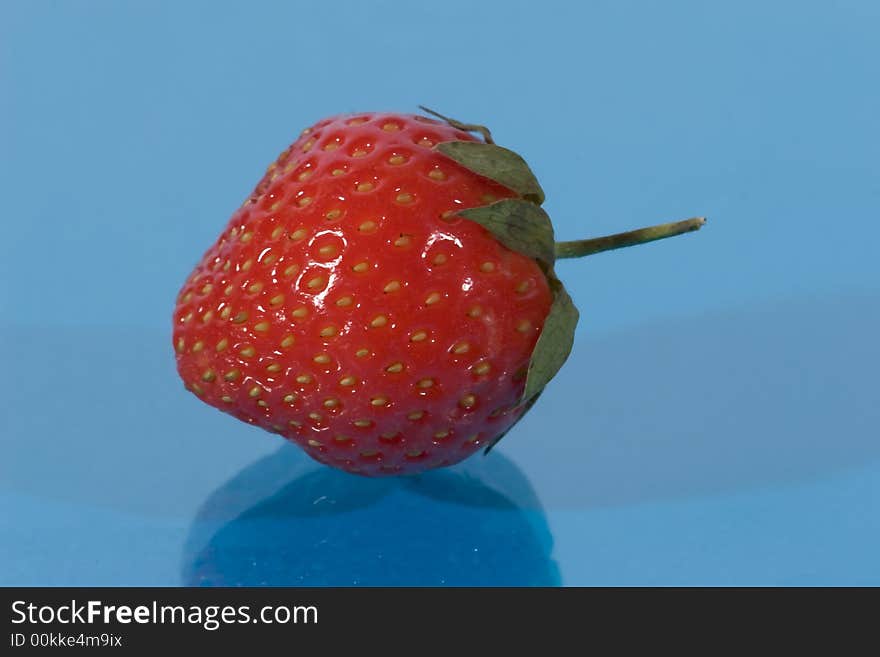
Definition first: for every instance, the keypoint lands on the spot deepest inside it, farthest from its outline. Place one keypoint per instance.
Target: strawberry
(385, 298)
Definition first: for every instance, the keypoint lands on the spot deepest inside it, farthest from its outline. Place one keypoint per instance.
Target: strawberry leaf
(496, 163)
(555, 342)
(519, 225)
(526, 408)
(551, 351)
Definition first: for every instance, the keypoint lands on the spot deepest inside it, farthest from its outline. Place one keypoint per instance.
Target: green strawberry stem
(581, 248)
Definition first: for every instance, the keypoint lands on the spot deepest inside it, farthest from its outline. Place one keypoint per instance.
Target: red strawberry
(380, 296)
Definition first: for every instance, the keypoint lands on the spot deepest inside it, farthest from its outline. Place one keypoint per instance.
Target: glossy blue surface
(717, 423)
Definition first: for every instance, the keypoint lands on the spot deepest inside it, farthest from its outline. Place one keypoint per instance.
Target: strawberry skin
(346, 307)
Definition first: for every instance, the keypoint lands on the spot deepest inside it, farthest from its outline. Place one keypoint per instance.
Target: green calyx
(521, 225)
(498, 163)
(524, 227)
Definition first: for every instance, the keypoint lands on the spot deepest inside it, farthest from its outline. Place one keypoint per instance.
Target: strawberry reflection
(285, 522)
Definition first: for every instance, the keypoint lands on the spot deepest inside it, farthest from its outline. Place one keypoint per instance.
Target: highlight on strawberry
(386, 297)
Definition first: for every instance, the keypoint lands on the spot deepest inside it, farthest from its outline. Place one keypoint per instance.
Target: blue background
(717, 423)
